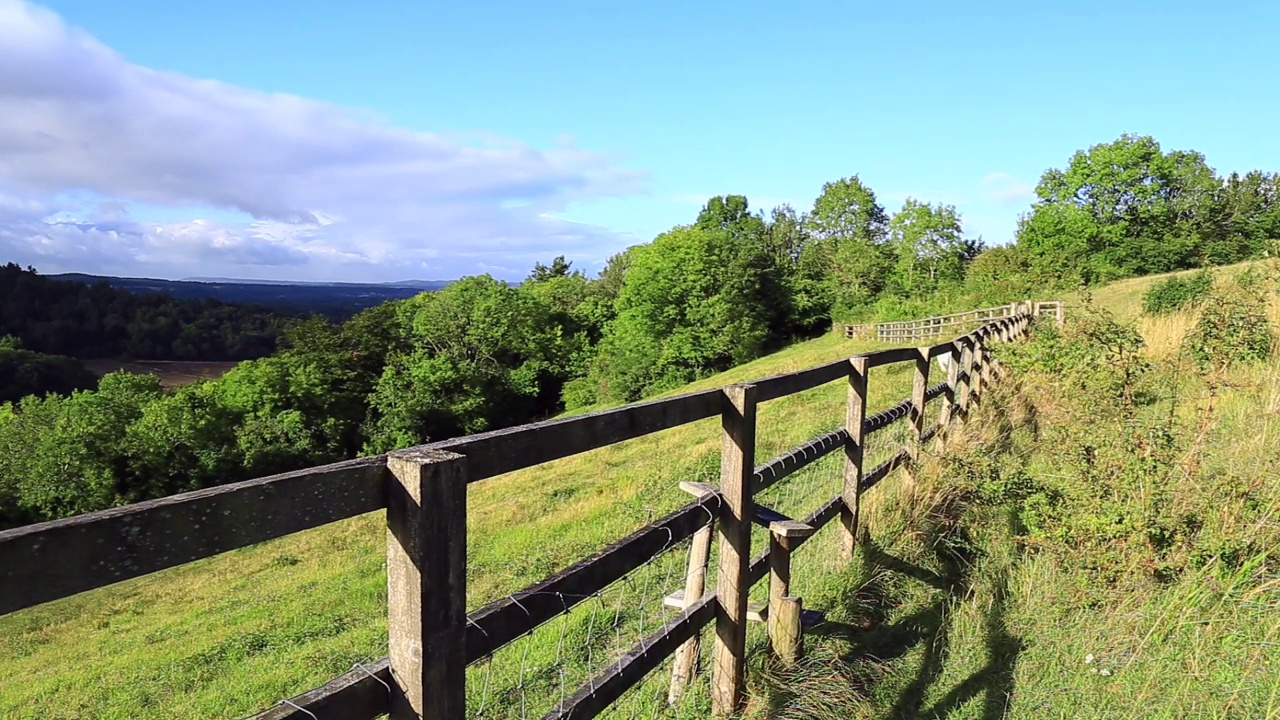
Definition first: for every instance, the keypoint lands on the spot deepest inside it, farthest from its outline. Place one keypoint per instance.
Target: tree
(929, 246)
(846, 263)
(482, 355)
(732, 214)
(558, 268)
(693, 301)
(1121, 208)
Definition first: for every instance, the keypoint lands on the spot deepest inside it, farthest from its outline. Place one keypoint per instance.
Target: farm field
(172, 373)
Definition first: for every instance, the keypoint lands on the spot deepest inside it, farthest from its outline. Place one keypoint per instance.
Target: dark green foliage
(98, 321)
(23, 373)
(1177, 293)
(480, 354)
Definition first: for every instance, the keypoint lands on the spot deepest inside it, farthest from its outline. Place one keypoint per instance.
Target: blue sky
(535, 129)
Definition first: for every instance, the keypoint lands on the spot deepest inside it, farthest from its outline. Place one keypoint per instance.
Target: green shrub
(1177, 293)
(1233, 328)
(579, 393)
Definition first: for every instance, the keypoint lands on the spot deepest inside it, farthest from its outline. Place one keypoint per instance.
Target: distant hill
(334, 300)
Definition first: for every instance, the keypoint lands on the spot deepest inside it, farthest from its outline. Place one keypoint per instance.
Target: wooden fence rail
(941, 325)
(431, 638)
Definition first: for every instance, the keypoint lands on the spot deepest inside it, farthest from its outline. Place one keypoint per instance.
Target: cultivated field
(172, 373)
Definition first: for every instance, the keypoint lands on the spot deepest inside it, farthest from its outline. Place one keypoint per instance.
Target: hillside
(336, 301)
(1072, 555)
(954, 608)
(236, 633)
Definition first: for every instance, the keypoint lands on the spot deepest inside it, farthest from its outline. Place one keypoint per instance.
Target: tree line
(729, 286)
(89, 321)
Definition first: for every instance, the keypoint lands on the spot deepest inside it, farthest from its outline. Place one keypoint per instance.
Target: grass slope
(230, 635)
(954, 609)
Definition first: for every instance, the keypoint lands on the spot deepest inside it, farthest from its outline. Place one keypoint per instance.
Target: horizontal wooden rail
(771, 388)
(793, 460)
(935, 392)
(886, 417)
(503, 451)
(891, 356)
(362, 692)
(54, 559)
(883, 469)
(498, 623)
(928, 434)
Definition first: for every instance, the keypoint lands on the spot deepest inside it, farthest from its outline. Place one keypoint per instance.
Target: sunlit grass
(233, 634)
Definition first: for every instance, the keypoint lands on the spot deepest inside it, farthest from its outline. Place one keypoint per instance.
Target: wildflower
(1088, 659)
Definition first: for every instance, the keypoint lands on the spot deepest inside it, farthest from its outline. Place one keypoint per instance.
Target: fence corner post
(737, 462)
(426, 584)
(854, 422)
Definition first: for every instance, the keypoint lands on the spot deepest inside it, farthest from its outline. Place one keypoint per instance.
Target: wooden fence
(945, 325)
(432, 639)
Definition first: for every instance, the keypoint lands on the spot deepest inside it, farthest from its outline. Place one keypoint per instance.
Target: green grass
(947, 611)
(233, 634)
(954, 609)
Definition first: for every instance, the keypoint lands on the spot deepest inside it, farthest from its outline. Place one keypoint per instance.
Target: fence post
(789, 643)
(426, 584)
(854, 415)
(737, 461)
(951, 394)
(685, 664)
(783, 534)
(918, 390)
(966, 368)
(978, 368)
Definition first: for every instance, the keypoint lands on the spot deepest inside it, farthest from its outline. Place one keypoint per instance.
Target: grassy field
(236, 633)
(172, 373)
(949, 610)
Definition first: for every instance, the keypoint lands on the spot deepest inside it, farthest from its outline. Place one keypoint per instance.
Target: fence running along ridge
(431, 637)
(941, 325)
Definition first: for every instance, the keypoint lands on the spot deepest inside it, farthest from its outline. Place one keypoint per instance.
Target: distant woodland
(731, 285)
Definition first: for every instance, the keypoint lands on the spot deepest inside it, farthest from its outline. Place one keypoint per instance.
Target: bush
(1177, 293)
(1233, 328)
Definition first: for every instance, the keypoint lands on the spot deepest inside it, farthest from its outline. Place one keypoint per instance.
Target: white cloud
(322, 190)
(1004, 188)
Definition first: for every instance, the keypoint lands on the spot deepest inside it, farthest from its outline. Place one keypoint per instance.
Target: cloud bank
(268, 184)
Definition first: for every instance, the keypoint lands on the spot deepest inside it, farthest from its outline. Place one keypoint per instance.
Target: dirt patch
(172, 373)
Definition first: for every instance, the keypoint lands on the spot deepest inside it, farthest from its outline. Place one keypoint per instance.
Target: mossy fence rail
(431, 637)
(941, 325)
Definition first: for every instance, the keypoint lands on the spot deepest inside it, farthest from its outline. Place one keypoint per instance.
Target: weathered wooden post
(737, 461)
(951, 395)
(684, 666)
(789, 642)
(918, 390)
(426, 584)
(965, 391)
(782, 536)
(978, 368)
(854, 415)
